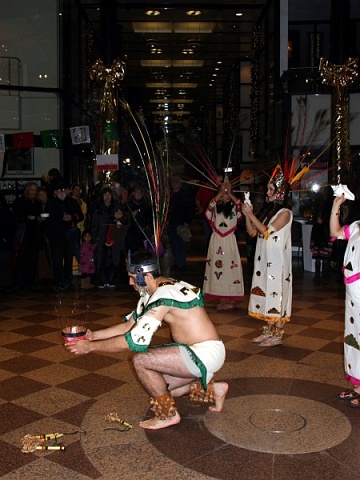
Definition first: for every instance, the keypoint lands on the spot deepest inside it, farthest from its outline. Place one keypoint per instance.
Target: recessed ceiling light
(153, 13)
(188, 51)
(194, 13)
(239, 14)
(193, 42)
(152, 42)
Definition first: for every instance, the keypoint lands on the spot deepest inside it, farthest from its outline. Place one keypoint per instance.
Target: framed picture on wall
(19, 161)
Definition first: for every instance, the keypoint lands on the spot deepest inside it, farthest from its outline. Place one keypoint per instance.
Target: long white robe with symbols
(271, 289)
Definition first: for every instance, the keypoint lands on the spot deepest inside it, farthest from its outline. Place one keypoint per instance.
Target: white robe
(223, 272)
(271, 289)
(352, 303)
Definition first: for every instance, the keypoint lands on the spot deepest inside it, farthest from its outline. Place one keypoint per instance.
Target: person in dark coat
(64, 214)
(27, 240)
(141, 219)
(7, 231)
(109, 226)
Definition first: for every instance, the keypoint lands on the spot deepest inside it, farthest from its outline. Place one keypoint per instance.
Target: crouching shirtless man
(185, 366)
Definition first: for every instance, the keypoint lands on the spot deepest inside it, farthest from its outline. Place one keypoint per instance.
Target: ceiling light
(239, 14)
(193, 42)
(193, 13)
(153, 13)
(152, 42)
(188, 51)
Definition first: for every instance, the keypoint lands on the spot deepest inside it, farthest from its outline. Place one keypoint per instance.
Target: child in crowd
(87, 263)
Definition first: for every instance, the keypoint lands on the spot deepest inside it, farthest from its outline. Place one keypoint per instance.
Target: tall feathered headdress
(284, 178)
(288, 176)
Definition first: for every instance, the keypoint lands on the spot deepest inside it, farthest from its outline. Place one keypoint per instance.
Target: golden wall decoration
(340, 78)
(109, 78)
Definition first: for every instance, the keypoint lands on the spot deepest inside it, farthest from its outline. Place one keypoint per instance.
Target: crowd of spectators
(43, 231)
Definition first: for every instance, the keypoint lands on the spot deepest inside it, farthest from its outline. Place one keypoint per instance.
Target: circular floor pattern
(277, 420)
(281, 424)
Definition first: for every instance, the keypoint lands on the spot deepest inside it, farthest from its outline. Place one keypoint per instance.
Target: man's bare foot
(220, 391)
(155, 423)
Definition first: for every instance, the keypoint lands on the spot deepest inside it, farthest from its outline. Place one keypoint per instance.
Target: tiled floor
(282, 418)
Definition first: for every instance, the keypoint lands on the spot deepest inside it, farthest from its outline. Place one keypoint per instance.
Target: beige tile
(50, 401)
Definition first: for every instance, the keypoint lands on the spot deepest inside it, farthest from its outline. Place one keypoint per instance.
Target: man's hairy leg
(154, 369)
(160, 367)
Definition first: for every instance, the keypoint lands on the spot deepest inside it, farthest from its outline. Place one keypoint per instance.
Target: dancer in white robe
(223, 278)
(271, 289)
(351, 271)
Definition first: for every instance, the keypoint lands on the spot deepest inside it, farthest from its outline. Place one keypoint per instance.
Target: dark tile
(14, 417)
(320, 392)
(184, 442)
(22, 364)
(39, 317)
(246, 321)
(319, 333)
(44, 306)
(236, 356)
(300, 320)
(312, 466)
(231, 462)
(11, 459)
(76, 460)
(90, 316)
(91, 385)
(91, 362)
(256, 385)
(227, 338)
(75, 415)
(323, 307)
(338, 317)
(29, 345)
(16, 387)
(333, 347)
(286, 353)
(34, 330)
(311, 299)
(347, 452)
